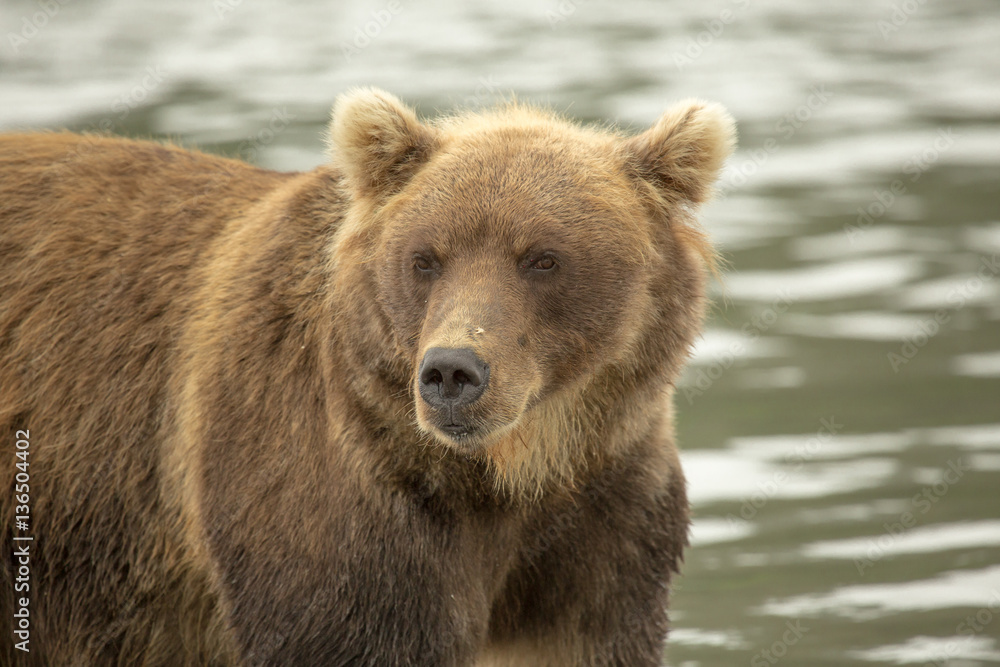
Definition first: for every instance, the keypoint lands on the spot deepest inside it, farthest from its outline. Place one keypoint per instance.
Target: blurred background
(840, 421)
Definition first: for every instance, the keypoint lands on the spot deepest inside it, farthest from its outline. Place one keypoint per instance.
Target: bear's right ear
(377, 141)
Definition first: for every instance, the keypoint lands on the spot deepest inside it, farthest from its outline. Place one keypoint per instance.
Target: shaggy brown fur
(231, 460)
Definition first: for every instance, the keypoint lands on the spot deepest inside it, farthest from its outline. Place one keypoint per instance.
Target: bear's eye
(424, 265)
(540, 264)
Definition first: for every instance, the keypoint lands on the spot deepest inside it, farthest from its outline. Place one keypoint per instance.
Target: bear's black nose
(452, 376)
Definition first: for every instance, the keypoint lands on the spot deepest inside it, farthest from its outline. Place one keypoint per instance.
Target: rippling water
(841, 419)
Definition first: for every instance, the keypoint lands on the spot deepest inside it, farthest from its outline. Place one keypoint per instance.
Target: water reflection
(956, 589)
(917, 540)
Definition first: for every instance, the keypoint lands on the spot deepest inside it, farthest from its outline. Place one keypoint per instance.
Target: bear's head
(520, 259)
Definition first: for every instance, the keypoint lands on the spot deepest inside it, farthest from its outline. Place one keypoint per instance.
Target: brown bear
(409, 408)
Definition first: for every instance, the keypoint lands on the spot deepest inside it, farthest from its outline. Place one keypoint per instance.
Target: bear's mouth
(453, 428)
(453, 424)
(457, 431)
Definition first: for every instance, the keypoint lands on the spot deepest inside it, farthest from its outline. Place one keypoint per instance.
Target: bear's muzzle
(451, 380)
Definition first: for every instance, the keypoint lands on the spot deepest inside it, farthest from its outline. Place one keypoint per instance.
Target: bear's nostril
(453, 375)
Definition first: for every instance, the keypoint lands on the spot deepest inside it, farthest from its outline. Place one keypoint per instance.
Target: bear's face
(513, 280)
(513, 254)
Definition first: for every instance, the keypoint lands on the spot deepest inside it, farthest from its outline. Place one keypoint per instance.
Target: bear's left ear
(377, 141)
(682, 154)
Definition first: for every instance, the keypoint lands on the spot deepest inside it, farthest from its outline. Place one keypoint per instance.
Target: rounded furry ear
(683, 153)
(377, 141)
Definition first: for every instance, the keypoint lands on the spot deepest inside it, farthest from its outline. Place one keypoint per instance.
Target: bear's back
(100, 241)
